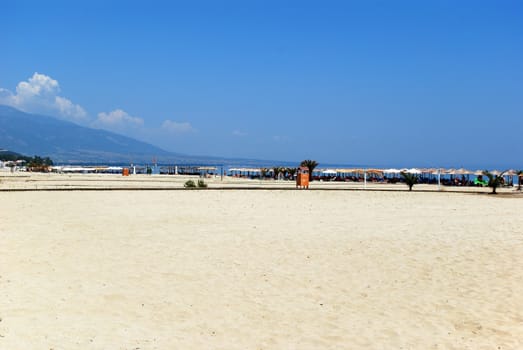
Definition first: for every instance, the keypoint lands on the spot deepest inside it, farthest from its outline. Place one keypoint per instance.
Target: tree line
(36, 163)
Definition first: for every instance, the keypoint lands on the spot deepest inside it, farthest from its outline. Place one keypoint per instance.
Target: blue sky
(385, 83)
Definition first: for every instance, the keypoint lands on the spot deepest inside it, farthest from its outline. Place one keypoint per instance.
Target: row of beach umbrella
(381, 172)
(432, 171)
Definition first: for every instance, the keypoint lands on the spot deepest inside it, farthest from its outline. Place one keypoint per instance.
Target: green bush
(189, 184)
(202, 184)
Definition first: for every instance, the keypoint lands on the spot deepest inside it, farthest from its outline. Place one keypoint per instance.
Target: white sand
(260, 270)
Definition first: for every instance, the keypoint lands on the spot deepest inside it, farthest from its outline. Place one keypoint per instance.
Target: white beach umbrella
(392, 171)
(375, 172)
(414, 171)
(462, 171)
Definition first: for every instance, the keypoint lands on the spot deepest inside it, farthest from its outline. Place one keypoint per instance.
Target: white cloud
(117, 118)
(239, 133)
(39, 94)
(38, 85)
(177, 127)
(69, 109)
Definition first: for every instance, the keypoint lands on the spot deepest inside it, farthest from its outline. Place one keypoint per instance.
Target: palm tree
(494, 181)
(311, 165)
(519, 173)
(291, 172)
(410, 179)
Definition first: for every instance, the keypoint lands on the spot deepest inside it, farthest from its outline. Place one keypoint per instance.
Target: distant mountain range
(66, 142)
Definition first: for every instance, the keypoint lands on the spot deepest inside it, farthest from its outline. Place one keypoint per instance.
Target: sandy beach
(265, 269)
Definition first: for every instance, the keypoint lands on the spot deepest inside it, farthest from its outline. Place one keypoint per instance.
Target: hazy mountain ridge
(66, 142)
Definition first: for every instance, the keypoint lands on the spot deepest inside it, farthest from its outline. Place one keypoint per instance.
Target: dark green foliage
(311, 165)
(276, 171)
(189, 184)
(35, 161)
(410, 179)
(292, 172)
(192, 184)
(494, 181)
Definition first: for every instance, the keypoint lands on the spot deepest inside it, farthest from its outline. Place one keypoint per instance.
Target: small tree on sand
(410, 179)
(494, 181)
(311, 165)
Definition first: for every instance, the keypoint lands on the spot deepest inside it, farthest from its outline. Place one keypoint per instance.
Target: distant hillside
(9, 155)
(66, 142)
